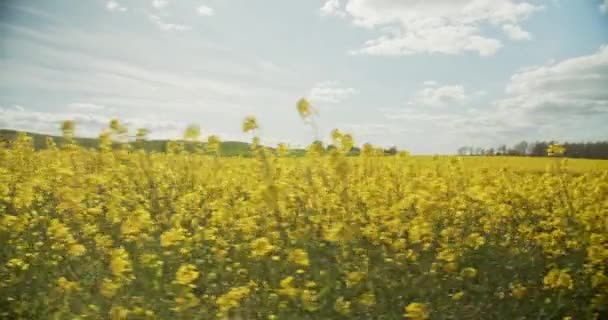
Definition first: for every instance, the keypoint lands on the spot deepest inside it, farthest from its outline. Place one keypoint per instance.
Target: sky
(425, 76)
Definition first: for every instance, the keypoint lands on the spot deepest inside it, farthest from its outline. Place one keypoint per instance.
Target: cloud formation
(571, 87)
(159, 4)
(165, 26)
(560, 100)
(434, 27)
(330, 92)
(515, 32)
(442, 96)
(205, 11)
(115, 6)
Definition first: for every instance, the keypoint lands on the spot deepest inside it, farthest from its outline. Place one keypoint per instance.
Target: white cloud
(168, 26)
(430, 83)
(330, 92)
(158, 4)
(440, 96)
(332, 8)
(604, 6)
(435, 27)
(205, 11)
(560, 100)
(115, 6)
(515, 32)
(575, 86)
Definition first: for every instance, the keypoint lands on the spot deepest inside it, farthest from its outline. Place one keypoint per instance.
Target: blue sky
(426, 76)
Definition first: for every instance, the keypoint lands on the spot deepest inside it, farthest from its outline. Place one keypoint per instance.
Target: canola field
(122, 234)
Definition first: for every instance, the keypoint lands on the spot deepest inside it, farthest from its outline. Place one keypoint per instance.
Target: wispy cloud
(332, 8)
(115, 6)
(433, 27)
(159, 4)
(330, 92)
(205, 11)
(448, 95)
(515, 32)
(165, 26)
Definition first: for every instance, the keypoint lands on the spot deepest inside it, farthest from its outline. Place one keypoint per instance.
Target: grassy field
(118, 234)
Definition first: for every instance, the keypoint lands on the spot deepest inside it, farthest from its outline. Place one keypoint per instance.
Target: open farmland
(124, 234)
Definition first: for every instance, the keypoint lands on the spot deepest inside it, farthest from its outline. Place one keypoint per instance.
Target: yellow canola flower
(67, 286)
(417, 311)
(261, 247)
(458, 295)
(286, 287)
(186, 274)
(342, 306)
(109, 288)
(558, 279)
(233, 298)
(353, 278)
(77, 250)
(17, 263)
(119, 262)
(299, 257)
(518, 291)
(172, 237)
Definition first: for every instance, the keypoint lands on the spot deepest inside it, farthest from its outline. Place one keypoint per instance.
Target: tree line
(589, 150)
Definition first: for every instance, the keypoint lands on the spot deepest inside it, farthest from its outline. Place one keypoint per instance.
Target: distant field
(520, 163)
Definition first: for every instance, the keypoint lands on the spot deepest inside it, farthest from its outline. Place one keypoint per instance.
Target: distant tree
(521, 148)
(391, 151)
(502, 150)
(539, 149)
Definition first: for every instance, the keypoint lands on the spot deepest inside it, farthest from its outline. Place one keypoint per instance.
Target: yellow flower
(342, 306)
(261, 247)
(108, 288)
(59, 232)
(103, 242)
(458, 295)
(249, 124)
(119, 313)
(67, 286)
(119, 262)
(417, 311)
(475, 240)
(353, 278)
(469, 272)
(309, 300)
(186, 301)
(287, 288)
(558, 279)
(76, 250)
(186, 274)
(171, 237)
(17, 263)
(232, 299)
(518, 291)
(299, 257)
(367, 299)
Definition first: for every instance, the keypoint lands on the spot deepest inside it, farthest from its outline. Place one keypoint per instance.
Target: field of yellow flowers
(123, 234)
